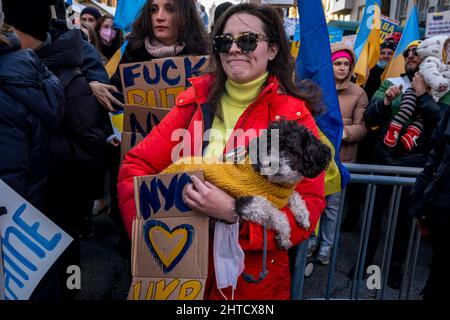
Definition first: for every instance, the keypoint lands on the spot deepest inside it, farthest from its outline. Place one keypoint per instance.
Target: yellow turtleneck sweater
(236, 98)
(236, 179)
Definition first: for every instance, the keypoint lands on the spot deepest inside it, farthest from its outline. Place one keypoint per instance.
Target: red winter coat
(153, 155)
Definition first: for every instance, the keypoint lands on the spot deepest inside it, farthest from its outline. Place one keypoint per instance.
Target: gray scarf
(158, 50)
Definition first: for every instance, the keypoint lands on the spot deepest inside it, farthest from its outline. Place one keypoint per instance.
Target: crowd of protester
(57, 144)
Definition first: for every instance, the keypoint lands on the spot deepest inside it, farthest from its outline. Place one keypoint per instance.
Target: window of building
(444, 4)
(386, 7)
(360, 13)
(401, 10)
(422, 10)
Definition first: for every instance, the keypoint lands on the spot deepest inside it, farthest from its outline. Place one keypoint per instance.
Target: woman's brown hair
(93, 38)
(282, 66)
(118, 40)
(190, 29)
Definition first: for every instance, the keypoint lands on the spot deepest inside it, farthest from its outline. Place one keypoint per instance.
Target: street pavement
(105, 273)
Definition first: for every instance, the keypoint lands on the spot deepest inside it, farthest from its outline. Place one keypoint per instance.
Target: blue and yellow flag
(367, 43)
(127, 12)
(411, 33)
(314, 62)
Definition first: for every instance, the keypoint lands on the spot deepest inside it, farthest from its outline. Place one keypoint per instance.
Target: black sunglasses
(247, 42)
(408, 51)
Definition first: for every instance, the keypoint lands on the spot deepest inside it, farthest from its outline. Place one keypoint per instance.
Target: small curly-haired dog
(259, 195)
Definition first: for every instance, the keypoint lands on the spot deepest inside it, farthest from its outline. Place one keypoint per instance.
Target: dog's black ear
(316, 156)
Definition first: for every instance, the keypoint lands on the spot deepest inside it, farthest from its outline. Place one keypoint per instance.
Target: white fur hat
(432, 47)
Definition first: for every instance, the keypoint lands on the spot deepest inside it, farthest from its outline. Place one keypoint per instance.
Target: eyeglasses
(407, 52)
(247, 42)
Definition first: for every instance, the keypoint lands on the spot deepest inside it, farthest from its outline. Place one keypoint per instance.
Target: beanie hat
(388, 44)
(414, 43)
(342, 54)
(92, 11)
(1, 15)
(220, 9)
(34, 21)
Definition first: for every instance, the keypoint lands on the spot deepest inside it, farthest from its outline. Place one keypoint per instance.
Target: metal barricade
(372, 176)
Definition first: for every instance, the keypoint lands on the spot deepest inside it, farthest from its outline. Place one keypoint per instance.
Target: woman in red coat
(250, 86)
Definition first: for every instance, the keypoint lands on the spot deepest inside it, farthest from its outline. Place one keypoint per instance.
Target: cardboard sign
(157, 83)
(438, 23)
(138, 121)
(349, 40)
(335, 34)
(388, 26)
(129, 141)
(166, 289)
(160, 196)
(142, 119)
(30, 242)
(172, 247)
(169, 242)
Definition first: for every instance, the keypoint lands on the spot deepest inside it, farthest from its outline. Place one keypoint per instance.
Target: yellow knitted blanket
(236, 179)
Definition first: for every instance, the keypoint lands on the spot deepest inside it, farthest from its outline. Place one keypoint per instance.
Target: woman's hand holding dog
(207, 199)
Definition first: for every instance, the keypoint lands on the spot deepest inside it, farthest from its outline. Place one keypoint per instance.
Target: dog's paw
(255, 208)
(300, 211)
(261, 211)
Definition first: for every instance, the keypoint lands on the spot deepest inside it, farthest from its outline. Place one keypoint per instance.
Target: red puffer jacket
(153, 155)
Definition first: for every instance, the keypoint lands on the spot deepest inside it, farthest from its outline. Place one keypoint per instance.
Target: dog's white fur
(285, 173)
(263, 212)
(299, 209)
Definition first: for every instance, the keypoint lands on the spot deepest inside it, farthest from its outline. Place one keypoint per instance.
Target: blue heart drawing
(168, 260)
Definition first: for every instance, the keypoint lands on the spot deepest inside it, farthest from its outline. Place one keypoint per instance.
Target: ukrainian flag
(126, 14)
(410, 33)
(367, 43)
(314, 62)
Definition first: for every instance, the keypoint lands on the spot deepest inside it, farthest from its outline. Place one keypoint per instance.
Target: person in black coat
(77, 148)
(387, 50)
(31, 105)
(161, 32)
(431, 206)
(378, 115)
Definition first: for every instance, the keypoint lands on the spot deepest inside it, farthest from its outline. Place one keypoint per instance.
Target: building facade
(352, 10)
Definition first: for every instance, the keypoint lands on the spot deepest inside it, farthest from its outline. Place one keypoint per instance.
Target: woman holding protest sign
(249, 87)
(164, 28)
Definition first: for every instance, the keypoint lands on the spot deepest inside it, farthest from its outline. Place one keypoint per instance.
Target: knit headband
(342, 54)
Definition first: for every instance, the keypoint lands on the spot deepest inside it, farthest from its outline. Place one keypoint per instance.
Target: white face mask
(228, 254)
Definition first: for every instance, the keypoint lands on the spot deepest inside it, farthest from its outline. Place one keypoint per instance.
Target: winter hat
(414, 43)
(29, 16)
(432, 47)
(1, 14)
(342, 54)
(388, 44)
(220, 9)
(92, 11)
